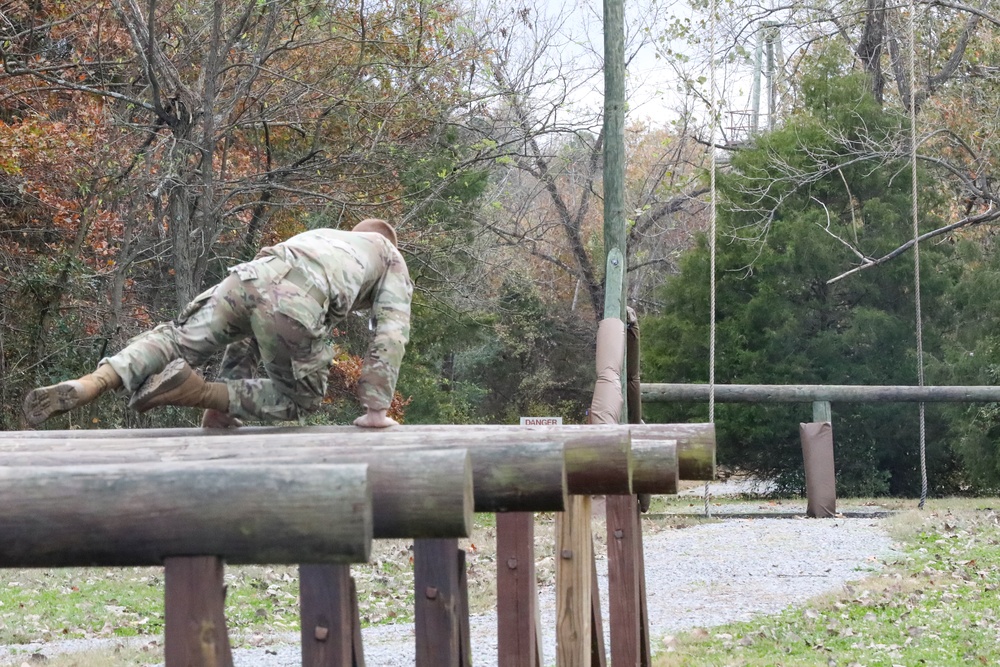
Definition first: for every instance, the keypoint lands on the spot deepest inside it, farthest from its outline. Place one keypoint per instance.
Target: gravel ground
(695, 577)
(701, 576)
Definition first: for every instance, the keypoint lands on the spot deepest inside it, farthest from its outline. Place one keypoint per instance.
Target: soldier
(278, 309)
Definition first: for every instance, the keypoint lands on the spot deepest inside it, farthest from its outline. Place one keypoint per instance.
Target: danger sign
(541, 421)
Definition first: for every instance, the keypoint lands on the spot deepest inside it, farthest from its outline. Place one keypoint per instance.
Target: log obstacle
(419, 493)
(128, 515)
(810, 393)
(512, 469)
(816, 437)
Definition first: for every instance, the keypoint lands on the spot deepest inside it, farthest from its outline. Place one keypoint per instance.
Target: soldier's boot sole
(166, 388)
(57, 399)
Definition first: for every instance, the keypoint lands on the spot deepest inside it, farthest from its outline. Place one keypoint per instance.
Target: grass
(936, 606)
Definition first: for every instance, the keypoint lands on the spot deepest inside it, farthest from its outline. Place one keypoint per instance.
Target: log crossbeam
(810, 393)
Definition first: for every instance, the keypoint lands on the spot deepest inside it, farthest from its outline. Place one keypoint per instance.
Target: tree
(208, 129)
(781, 322)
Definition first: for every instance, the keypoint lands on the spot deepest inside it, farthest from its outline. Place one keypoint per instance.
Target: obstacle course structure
(194, 500)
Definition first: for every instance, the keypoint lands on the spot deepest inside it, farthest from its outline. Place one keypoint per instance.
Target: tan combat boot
(179, 385)
(56, 399)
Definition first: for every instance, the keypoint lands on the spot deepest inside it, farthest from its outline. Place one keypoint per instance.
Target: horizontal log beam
(503, 478)
(655, 470)
(131, 515)
(777, 393)
(695, 447)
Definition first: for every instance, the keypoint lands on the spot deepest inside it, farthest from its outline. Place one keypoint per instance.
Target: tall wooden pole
(614, 158)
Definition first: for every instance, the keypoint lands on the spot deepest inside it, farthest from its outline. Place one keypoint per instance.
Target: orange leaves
(343, 384)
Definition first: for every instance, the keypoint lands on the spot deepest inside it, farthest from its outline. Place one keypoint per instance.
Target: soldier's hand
(216, 419)
(375, 419)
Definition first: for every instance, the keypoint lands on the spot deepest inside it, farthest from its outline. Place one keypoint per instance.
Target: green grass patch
(938, 604)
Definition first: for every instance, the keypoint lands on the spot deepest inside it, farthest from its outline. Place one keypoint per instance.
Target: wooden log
(695, 447)
(655, 469)
(598, 459)
(125, 515)
(504, 478)
(194, 621)
(807, 393)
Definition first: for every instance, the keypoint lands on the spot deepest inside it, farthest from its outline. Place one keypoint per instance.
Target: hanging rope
(711, 234)
(916, 244)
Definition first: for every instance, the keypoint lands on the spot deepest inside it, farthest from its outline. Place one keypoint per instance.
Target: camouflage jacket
(356, 271)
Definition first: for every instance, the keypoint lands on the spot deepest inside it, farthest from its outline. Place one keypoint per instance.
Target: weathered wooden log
(807, 393)
(695, 447)
(655, 469)
(410, 502)
(597, 458)
(126, 515)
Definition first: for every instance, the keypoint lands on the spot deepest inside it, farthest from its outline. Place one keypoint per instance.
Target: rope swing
(916, 245)
(713, 117)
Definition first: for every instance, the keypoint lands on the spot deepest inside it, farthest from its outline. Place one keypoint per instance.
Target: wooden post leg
(598, 652)
(436, 594)
(357, 649)
(464, 632)
(325, 610)
(516, 597)
(624, 573)
(194, 613)
(574, 548)
(645, 654)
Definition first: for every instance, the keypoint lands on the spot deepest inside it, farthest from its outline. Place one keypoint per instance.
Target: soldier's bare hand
(216, 419)
(375, 419)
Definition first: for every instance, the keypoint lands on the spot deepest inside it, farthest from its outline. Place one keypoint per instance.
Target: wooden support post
(822, 411)
(517, 599)
(574, 559)
(624, 556)
(464, 632)
(326, 615)
(358, 652)
(437, 603)
(645, 652)
(598, 652)
(194, 625)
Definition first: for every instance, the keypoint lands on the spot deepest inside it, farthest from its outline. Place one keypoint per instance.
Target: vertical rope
(712, 232)
(916, 244)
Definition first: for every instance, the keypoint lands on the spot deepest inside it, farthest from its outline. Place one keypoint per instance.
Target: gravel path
(695, 577)
(701, 576)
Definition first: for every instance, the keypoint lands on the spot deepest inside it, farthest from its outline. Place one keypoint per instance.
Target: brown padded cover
(821, 476)
(606, 407)
(633, 391)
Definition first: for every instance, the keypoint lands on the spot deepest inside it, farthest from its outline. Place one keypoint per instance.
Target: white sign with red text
(541, 421)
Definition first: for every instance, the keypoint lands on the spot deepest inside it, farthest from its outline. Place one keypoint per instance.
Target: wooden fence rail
(806, 393)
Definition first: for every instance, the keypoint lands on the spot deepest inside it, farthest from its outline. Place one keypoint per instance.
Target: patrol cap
(377, 226)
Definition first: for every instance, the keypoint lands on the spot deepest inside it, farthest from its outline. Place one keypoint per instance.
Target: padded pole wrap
(606, 407)
(821, 477)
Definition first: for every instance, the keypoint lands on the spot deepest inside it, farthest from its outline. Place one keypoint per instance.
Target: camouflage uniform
(279, 309)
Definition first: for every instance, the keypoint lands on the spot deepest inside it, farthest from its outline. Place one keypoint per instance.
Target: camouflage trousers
(257, 314)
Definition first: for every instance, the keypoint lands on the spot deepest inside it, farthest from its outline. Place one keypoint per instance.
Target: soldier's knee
(307, 404)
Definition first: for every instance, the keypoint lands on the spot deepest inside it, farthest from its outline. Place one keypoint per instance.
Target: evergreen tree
(780, 322)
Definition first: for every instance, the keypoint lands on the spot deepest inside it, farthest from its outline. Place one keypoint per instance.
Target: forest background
(147, 145)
